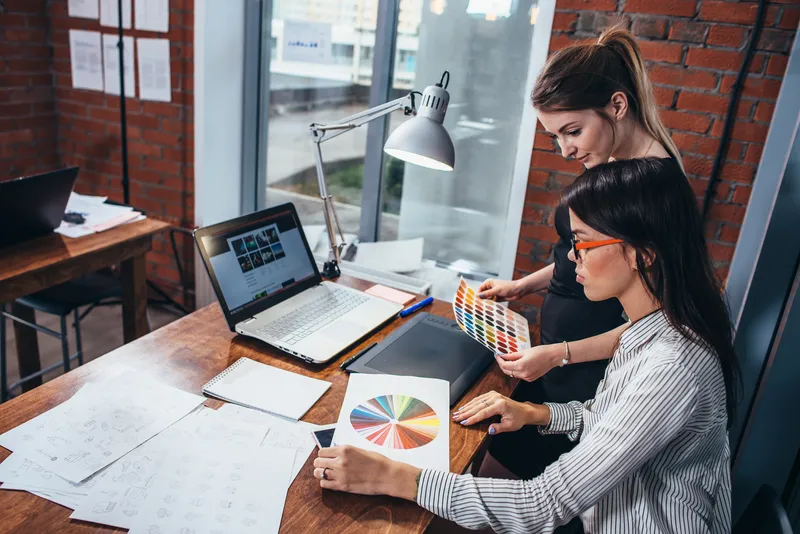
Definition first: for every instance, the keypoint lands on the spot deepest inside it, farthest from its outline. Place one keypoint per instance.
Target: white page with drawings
(81, 436)
(85, 9)
(20, 473)
(67, 501)
(109, 13)
(155, 82)
(294, 435)
(86, 60)
(219, 488)
(119, 497)
(152, 15)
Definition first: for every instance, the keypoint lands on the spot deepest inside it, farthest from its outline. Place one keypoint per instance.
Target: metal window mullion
(382, 73)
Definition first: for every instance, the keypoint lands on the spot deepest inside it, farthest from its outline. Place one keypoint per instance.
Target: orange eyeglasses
(590, 244)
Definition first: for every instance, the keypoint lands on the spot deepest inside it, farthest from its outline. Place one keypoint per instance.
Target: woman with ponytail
(596, 100)
(652, 452)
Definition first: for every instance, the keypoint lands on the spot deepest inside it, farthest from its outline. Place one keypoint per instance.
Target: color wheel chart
(395, 422)
(494, 326)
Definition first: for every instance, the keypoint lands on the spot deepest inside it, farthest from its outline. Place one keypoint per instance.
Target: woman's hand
(513, 415)
(355, 470)
(530, 364)
(501, 290)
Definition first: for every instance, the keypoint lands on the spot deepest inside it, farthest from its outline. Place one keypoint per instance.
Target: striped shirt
(653, 453)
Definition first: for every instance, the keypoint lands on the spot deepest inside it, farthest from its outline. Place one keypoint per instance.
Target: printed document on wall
(111, 65)
(85, 9)
(87, 60)
(109, 13)
(154, 72)
(152, 15)
(307, 42)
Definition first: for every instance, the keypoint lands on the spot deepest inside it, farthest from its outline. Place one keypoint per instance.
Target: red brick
(675, 8)
(538, 178)
(144, 121)
(684, 30)
(161, 109)
(744, 131)
(559, 41)
(741, 194)
(775, 40)
(524, 247)
(680, 120)
(736, 13)
(661, 51)
(738, 172)
(720, 251)
(564, 21)
(727, 213)
(539, 232)
(698, 166)
(653, 28)
(764, 111)
(157, 165)
(549, 160)
(706, 102)
(776, 65)
(698, 186)
(588, 5)
(664, 96)
(790, 18)
(753, 154)
(533, 299)
(714, 59)
(730, 233)
(722, 191)
(696, 144)
(543, 141)
(683, 77)
(727, 36)
(541, 197)
(757, 63)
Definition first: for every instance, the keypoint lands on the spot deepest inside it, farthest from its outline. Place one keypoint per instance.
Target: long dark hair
(650, 206)
(586, 75)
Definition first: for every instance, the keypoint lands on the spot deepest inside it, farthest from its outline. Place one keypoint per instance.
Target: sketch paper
(111, 65)
(86, 60)
(404, 418)
(152, 15)
(109, 13)
(19, 473)
(81, 436)
(154, 70)
(85, 9)
(204, 488)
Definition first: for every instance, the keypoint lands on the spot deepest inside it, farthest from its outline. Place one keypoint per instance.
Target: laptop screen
(259, 259)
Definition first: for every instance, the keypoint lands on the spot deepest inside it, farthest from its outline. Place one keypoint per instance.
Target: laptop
(34, 206)
(269, 287)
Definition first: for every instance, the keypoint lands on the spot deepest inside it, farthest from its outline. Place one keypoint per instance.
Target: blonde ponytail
(586, 75)
(622, 42)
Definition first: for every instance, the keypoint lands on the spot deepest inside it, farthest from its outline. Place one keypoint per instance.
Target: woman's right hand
(501, 290)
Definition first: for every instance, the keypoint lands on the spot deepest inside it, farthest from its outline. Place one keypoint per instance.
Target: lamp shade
(423, 139)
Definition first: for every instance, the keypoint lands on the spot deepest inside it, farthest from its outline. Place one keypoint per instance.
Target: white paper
(293, 435)
(155, 82)
(109, 13)
(398, 427)
(308, 42)
(204, 488)
(119, 497)
(19, 473)
(393, 256)
(82, 436)
(86, 60)
(263, 387)
(152, 15)
(111, 65)
(85, 9)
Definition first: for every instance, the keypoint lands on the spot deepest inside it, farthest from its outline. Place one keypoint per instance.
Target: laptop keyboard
(310, 317)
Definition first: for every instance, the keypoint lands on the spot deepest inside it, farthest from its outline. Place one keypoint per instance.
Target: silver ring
(485, 403)
(325, 474)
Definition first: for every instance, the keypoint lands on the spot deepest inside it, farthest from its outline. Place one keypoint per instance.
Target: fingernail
(480, 295)
(464, 422)
(491, 430)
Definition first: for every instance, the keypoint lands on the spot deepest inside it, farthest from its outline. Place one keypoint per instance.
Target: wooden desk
(35, 265)
(192, 350)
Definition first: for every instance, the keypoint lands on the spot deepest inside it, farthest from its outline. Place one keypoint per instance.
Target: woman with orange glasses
(652, 451)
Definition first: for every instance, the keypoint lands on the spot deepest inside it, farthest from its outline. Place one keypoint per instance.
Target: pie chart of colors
(395, 422)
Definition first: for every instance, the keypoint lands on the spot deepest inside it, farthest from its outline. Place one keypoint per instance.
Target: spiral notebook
(269, 389)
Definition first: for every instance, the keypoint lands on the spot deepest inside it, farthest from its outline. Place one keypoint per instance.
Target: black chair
(61, 300)
(764, 515)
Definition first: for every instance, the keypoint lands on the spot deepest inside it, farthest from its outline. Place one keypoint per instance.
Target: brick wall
(27, 99)
(693, 51)
(160, 135)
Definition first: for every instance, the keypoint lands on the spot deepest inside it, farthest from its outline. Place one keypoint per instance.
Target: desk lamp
(421, 140)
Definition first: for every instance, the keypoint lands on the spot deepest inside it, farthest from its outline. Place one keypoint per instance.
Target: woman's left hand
(355, 470)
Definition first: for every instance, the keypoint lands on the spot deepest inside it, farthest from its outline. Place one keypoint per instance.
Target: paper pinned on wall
(85, 9)
(154, 71)
(109, 13)
(307, 42)
(111, 65)
(87, 60)
(152, 15)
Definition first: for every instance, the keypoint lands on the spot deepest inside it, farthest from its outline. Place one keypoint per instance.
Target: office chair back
(764, 515)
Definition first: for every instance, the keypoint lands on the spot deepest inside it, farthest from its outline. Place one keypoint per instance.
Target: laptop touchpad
(343, 332)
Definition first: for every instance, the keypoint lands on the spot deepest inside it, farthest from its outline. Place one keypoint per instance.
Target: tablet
(428, 346)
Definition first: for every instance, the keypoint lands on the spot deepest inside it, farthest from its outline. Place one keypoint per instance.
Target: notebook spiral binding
(223, 374)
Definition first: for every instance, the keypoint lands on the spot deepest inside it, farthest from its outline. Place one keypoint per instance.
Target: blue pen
(411, 309)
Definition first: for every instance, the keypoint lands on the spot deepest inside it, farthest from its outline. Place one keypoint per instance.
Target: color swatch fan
(492, 325)
(395, 421)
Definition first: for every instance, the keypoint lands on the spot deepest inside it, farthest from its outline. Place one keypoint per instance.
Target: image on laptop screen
(258, 260)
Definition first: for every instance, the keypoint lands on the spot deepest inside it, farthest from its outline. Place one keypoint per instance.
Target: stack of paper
(97, 215)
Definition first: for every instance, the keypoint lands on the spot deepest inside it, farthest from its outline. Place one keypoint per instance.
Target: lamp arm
(324, 132)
